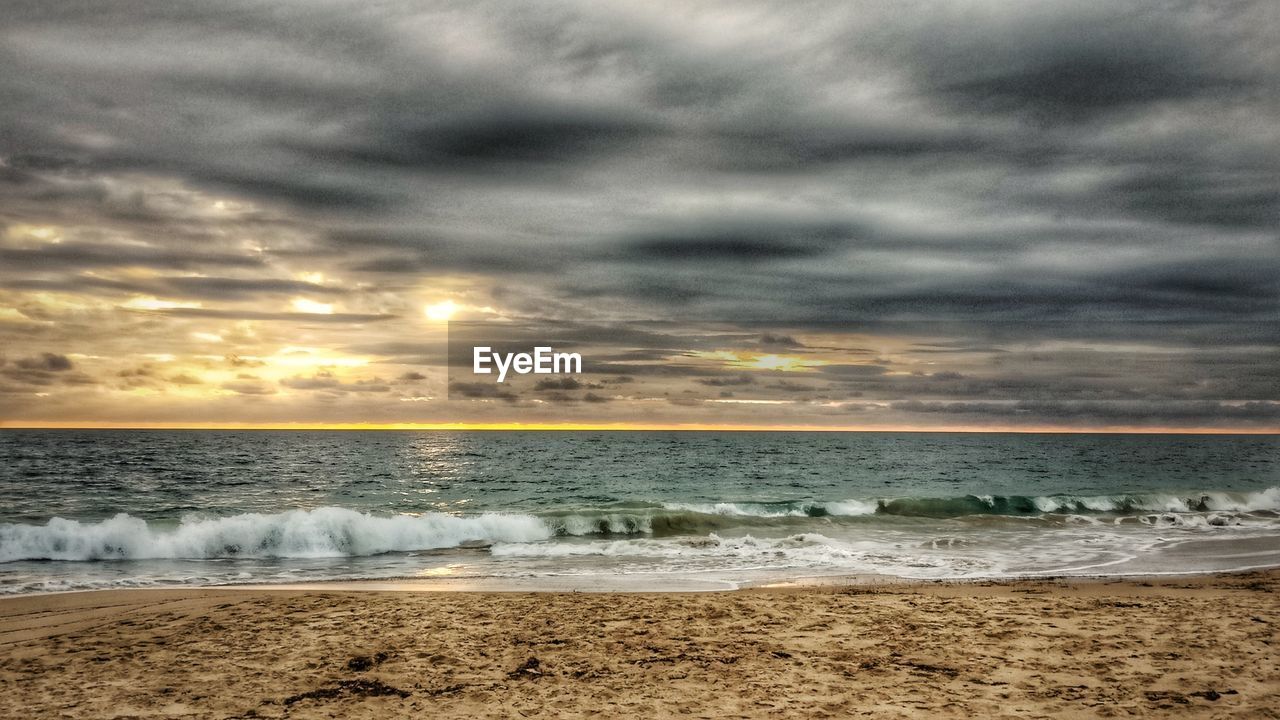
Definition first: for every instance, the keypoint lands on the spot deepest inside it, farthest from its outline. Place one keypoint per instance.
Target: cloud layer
(992, 212)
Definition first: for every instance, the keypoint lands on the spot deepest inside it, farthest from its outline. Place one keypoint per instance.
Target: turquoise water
(81, 509)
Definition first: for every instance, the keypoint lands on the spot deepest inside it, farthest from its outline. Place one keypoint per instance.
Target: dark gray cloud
(1131, 412)
(727, 381)
(740, 241)
(773, 340)
(51, 362)
(43, 370)
(101, 255)
(565, 383)
(853, 371)
(482, 390)
(1245, 197)
(1070, 63)
(491, 139)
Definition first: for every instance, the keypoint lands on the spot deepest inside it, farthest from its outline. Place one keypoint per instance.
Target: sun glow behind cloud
(763, 361)
(441, 311)
(303, 305)
(152, 303)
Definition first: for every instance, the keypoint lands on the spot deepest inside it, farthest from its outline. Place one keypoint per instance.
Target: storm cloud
(996, 211)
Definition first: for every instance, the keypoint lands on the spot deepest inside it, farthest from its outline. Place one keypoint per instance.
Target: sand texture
(1173, 648)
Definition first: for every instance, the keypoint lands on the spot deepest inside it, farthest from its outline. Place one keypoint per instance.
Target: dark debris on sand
(1169, 697)
(365, 662)
(349, 688)
(529, 669)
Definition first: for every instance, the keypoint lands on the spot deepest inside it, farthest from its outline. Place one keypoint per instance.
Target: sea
(623, 510)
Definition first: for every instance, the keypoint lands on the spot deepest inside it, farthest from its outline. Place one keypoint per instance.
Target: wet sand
(1198, 647)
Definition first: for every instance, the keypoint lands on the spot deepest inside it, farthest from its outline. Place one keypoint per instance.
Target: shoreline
(818, 583)
(623, 583)
(1188, 645)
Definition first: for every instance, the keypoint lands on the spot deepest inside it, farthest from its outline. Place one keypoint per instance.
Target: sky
(1017, 215)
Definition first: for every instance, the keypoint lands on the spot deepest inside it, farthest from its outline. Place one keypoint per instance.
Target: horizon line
(636, 427)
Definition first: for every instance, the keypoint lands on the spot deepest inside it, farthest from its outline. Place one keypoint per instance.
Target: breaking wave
(340, 532)
(1121, 504)
(1016, 505)
(323, 532)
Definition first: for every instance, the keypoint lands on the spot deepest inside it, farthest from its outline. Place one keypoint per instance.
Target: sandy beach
(1156, 648)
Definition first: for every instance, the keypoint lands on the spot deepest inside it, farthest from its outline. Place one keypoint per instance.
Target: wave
(1267, 501)
(810, 550)
(323, 532)
(838, 508)
(340, 532)
(713, 544)
(1011, 505)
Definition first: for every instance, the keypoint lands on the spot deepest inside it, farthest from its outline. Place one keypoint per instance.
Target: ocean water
(590, 510)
